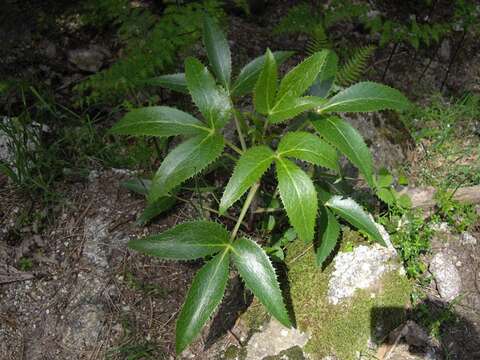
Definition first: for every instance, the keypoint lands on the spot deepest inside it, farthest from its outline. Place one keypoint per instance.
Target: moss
(342, 330)
(255, 316)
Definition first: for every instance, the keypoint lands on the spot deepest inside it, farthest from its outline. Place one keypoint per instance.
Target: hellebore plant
(315, 139)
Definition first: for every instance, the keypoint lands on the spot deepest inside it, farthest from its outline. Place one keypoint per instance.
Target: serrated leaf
(186, 160)
(301, 76)
(158, 121)
(176, 82)
(384, 178)
(187, 241)
(404, 201)
(299, 197)
(291, 107)
(326, 77)
(386, 196)
(366, 96)
(349, 210)
(259, 275)
(163, 204)
(328, 232)
(139, 186)
(308, 147)
(249, 74)
(212, 101)
(347, 140)
(266, 86)
(250, 167)
(203, 297)
(218, 51)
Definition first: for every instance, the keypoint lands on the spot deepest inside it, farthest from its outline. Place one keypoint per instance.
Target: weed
(25, 264)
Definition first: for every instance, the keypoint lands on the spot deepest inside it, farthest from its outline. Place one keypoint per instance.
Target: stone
(88, 59)
(446, 276)
(273, 339)
(359, 269)
(467, 239)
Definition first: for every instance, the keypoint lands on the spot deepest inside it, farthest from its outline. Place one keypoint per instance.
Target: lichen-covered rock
(359, 269)
(446, 276)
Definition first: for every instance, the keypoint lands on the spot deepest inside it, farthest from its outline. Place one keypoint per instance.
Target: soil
(85, 295)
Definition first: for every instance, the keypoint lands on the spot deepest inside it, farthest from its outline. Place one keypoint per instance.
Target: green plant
(151, 45)
(262, 142)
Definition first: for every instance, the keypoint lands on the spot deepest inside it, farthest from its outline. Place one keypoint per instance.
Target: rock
(88, 59)
(445, 50)
(446, 276)
(359, 269)
(467, 239)
(274, 339)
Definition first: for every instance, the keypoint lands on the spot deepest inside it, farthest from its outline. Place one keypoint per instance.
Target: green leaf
(163, 204)
(212, 101)
(384, 178)
(249, 74)
(349, 210)
(291, 107)
(158, 121)
(386, 195)
(175, 82)
(299, 197)
(259, 275)
(187, 241)
(308, 147)
(404, 201)
(203, 297)
(366, 96)
(186, 160)
(302, 76)
(218, 51)
(328, 232)
(139, 186)
(250, 167)
(266, 87)
(326, 77)
(347, 140)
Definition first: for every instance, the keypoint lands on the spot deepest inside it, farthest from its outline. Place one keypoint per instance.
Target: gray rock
(274, 339)
(446, 276)
(359, 269)
(445, 50)
(468, 239)
(88, 59)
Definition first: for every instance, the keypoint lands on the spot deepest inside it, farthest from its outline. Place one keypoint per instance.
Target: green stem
(243, 212)
(239, 129)
(233, 147)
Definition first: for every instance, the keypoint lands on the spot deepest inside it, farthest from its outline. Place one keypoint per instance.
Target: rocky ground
(88, 297)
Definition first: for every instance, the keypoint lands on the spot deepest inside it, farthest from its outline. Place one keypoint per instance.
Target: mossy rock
(342, 330)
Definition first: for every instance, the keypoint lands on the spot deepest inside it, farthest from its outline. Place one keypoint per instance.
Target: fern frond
(318, 40)
(353, 69)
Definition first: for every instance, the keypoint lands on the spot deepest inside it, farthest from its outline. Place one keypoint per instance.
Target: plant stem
(394, 49)
(208, 209)
(233, 147)
(239, 129)
(243, 212)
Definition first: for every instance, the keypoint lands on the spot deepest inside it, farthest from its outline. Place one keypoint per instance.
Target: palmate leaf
(158, 121)
(364, 97)
(218, 51)
(212, 101)
(345, 138)
(301, 76)
(266, 87)
(186, 160)
(205, 294)
(187, 241)
(328, 232)
(249, 74)
(139, 186)
(257, 271)
(250, 167)
(308, 147)
(176, 82)
(299, 197)
(288, 108)
(349, 210)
